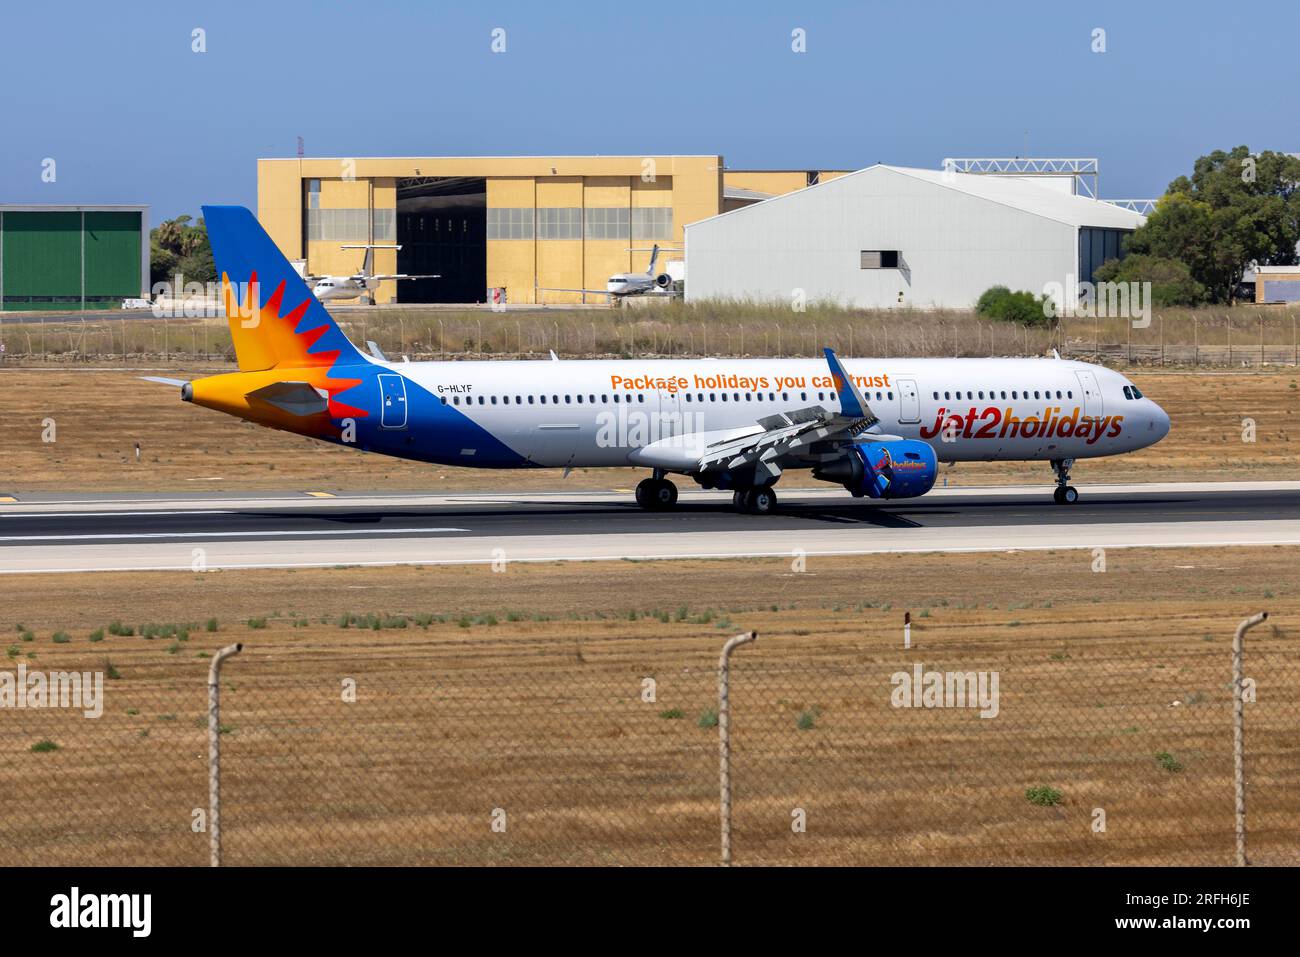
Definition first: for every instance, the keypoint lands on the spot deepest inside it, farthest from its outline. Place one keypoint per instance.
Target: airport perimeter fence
(556, 756)
(1245, 337)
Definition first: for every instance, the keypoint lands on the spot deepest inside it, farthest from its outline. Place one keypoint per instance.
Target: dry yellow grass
(99, 416)
(526, 699)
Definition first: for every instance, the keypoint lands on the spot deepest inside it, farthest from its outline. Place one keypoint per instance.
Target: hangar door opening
(442, 229)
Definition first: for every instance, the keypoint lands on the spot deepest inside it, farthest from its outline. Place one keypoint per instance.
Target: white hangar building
(889, 236)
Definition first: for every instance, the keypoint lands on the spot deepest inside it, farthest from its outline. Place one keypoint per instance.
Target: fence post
(1239, 732)
(214, 751)
(724, 739)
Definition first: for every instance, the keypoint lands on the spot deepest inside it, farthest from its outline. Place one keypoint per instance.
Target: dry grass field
(519, 698)
(100, 415)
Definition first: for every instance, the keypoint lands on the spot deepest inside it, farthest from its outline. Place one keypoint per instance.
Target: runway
(189, 531)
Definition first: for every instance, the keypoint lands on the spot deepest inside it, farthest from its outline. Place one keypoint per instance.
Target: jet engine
(664, 281)
(902, 468)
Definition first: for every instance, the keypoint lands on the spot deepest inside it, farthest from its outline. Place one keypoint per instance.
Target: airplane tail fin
(274, 318)
(654, 258)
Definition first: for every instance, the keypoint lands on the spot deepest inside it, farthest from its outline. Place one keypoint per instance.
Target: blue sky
(113, 92)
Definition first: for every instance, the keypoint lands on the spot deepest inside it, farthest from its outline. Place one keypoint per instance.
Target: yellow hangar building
(525, 225)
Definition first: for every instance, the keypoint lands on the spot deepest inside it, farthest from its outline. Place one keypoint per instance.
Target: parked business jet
(361, 283)
(878, 427)
(624, 284)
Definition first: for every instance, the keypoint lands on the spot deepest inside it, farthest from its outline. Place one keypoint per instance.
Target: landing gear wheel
(738, 500)
(656, 495)
(1065, 493)
(757, 501)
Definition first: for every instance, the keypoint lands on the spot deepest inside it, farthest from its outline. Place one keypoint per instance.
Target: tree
(1171, 279)
(176, 246)
(1234, 210)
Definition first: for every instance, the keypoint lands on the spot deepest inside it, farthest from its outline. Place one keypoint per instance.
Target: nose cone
(1159, 423)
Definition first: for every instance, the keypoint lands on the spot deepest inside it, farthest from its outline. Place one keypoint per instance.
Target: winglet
(851, 401)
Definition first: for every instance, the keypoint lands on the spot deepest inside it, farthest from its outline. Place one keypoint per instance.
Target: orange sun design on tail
(266, 338)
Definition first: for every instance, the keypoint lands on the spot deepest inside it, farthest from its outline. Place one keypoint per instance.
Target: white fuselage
(664, 413)
(331, 288)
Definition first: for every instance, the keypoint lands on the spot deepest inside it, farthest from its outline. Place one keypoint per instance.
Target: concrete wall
(953, 246)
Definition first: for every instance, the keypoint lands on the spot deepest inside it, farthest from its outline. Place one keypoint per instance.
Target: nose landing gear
(1065, 493)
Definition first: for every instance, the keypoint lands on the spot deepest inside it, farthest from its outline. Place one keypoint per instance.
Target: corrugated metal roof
(1030, 197)
(1019, 194)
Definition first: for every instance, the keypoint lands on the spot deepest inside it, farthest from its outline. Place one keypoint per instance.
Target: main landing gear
(656, 494)
(1065, 494)
(755, 500)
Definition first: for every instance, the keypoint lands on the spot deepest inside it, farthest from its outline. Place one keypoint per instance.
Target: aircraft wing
(405, 276)
(792, 433)
(590, 292)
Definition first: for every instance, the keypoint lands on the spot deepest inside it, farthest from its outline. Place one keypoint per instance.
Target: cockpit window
(1136, 393)
(1128, 392)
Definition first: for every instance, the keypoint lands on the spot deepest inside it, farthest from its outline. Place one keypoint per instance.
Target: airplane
(878, 427)
(362, 283)
(624, 284)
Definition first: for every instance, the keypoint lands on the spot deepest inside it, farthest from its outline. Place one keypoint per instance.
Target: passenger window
(494, 400)
(785, 396)
(890, 396)
(530, 400)
(444, 400)
(455, 400)
(640, 397)
(981, 393)
(803, 396)
(724, 397)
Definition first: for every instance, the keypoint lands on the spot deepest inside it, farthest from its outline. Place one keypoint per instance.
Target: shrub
(1168, 762)
(1043, 796)
(999, 302)
(1171, 280)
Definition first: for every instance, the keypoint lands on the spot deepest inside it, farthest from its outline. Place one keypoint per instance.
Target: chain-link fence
(960, 753)
(1246, 335)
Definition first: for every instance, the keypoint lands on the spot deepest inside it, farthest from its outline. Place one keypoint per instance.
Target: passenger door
(909, 402)
(392, 402)
(1091, 393)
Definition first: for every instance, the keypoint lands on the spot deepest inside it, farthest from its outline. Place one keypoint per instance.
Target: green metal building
(72, 257)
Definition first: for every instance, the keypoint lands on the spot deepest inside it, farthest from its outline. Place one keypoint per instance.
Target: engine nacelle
(904, 468)
(664, 281)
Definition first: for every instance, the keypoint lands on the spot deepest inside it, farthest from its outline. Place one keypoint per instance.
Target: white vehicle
(361, 283)
(878, 427)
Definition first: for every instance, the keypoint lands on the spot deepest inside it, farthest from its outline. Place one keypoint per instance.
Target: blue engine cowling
(904, 468)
